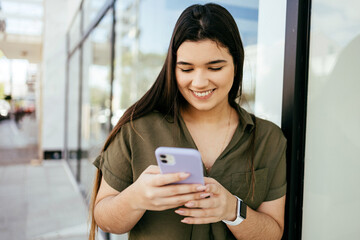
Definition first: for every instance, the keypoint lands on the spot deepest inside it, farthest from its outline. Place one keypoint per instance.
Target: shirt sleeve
(115, 162)
(278, 183)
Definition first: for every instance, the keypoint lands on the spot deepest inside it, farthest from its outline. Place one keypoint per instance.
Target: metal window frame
(79, 150)
(112, 65)
(294, 107)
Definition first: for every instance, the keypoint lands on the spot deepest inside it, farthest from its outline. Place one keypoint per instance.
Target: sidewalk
(18, 142)
(41, 202)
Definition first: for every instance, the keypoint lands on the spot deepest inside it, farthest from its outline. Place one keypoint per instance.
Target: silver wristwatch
(240, 213)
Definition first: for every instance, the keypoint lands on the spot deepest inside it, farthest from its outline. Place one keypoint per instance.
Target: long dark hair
(196, 23)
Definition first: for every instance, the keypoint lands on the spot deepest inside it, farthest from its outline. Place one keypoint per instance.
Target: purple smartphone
(172, 160)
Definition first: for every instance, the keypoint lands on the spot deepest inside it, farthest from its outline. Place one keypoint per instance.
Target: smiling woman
(205, 74)
(193, 104)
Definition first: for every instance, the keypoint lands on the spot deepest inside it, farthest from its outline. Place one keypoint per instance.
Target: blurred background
(21, 28)
(70, 68)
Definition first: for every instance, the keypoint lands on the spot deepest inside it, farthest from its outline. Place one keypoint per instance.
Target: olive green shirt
(132, 151)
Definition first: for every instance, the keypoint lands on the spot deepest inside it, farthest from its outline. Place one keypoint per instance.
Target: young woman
(193, 104)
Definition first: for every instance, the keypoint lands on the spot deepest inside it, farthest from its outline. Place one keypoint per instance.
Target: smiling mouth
(204, 93)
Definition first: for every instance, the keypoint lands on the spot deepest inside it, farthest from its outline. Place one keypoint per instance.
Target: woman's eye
(186, 70)
(216, 69)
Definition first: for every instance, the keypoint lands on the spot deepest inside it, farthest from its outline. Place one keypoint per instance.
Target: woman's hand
(221, 205)
(153, 192)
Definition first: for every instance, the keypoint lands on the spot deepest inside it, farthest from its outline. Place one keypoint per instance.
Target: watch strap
(240, 213)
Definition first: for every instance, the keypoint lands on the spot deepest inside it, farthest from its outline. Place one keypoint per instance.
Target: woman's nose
(200, 80)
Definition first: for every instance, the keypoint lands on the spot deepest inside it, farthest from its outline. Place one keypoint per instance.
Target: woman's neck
(213, 116)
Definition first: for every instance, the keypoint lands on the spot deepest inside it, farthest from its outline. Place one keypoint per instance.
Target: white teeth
(202, 94)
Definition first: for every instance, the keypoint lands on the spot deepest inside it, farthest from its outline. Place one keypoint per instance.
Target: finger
(162, 203)
(178, 189)
(203, 203)
(198, 212)
(178, 200)
(164, 179)
(190, 220)
(152, 169)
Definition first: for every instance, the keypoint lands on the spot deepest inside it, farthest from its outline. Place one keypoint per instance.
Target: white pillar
(56, 21)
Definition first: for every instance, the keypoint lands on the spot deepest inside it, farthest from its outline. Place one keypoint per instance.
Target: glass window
(73, 111)
(331, 193)
(91, 10)
(95, 96)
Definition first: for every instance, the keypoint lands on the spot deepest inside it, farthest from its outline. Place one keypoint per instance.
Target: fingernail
(180, 211)
(184, 175)
(204, 195)
(200, 188)
(189, 204)
(185, 220)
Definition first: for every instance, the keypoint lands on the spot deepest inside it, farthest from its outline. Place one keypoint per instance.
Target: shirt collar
(246, 121)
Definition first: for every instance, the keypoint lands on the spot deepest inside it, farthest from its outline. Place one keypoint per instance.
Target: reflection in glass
(95, 96)
(91, 10)
(127, 56)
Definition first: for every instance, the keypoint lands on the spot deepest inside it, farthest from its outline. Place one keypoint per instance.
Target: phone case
(172, 160)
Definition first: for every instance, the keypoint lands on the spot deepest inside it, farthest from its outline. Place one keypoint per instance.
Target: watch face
(243, 208)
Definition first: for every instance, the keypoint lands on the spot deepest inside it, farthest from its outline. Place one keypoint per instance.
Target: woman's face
(205, 74)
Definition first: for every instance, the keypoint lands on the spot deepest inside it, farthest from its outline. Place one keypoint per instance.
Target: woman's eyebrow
(183, 63)
(209, 63)
(216, 61)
